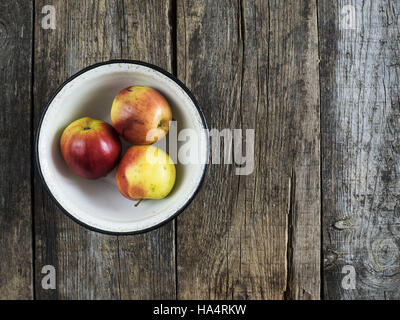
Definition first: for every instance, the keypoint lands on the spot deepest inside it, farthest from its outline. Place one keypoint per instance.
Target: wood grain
(252, 64)
(90, 265)
(147, 261)
(256, 236)
(87, 263)
(360, 101)
(293, 139)
(15, 156)
(208, 52)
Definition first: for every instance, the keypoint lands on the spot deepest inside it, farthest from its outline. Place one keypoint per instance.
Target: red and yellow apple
(141, 115)
(91, 148)
(145, 172)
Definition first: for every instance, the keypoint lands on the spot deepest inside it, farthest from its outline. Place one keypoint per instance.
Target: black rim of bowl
(137, 62)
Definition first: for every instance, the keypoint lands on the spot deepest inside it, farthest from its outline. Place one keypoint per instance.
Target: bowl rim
(122, 61)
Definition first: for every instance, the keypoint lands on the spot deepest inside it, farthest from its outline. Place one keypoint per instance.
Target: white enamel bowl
(97, 204)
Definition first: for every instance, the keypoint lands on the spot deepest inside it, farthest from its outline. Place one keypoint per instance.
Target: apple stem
(137, 203)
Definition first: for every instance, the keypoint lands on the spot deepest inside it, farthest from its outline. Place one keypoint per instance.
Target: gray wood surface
(251, 69)
(323, 97)
(15, 156)
(360, 147)
(83, 36)
(293, 139)
(90, 265)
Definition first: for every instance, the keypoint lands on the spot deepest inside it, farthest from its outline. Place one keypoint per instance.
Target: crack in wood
(288, 295)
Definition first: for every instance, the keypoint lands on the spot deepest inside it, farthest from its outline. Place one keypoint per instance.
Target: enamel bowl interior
(98, 203)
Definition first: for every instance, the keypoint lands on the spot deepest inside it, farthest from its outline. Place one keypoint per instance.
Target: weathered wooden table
(319, 83)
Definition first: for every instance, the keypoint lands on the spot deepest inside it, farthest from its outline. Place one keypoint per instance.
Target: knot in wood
(330, 258)
(347, 223)
(385, 254)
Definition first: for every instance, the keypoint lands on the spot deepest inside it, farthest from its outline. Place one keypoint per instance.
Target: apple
(141, 115)
(145, 172)
(91, 148)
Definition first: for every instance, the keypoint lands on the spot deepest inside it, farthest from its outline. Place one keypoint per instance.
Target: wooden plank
(293, 130)
(148, 260)
(253, 65)
(91, 265)
(360, 101)
(208, 52)
(15, 157)
(86, 262)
